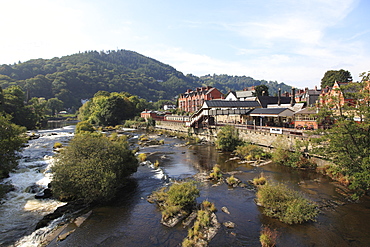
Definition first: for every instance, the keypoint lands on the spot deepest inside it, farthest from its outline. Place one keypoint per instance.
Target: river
(132, 221)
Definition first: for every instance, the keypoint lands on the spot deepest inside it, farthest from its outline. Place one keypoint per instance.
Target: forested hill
(235, 83)
(80, 76)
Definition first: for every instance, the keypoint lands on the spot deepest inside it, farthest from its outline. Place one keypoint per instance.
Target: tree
(228, 138)
(55, 105)
(11, 141)
(92, 168)
(111, 108)
(261, 90)
(347, 142)
(14, 105)
(332, 76)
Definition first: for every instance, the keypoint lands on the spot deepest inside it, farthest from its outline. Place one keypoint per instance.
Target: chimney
(315, 88)
(279, 97)
(292, 99)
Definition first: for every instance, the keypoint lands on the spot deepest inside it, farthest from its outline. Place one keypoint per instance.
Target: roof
(244, 94)
(230, 104)
(267, 100)
(276, 112)
(306, 111)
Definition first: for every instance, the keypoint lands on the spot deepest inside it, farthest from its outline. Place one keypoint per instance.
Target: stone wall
(262, 138)
(258, 137)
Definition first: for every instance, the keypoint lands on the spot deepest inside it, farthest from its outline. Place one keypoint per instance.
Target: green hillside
(80, 76)
(226, 83)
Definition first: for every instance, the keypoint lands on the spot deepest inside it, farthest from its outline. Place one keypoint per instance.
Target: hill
(79, 76)
(226, 83)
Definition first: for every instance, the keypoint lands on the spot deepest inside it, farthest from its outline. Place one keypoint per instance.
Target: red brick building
(335, 96)
(192, 101)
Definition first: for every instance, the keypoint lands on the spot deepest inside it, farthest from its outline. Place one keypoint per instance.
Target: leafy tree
(14, 105)
(39, 108)
(55, 105)
(228, 138)
(331, 76)
(11, 141)
(347, 142)
(111, 109)
(92, 168)
(261, 90)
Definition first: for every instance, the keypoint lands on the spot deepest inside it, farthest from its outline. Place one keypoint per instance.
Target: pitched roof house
(191, 101)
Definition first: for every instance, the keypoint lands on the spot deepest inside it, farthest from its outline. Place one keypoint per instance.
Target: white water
(20, 211)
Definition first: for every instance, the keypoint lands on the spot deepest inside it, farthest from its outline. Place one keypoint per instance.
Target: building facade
(192, 100)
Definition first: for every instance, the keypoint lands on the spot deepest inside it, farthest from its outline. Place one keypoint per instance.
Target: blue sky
(290, 41)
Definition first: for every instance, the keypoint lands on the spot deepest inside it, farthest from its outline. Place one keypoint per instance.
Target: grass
(196, 234)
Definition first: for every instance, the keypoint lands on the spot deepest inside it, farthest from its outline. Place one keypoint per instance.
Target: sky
(290, 41)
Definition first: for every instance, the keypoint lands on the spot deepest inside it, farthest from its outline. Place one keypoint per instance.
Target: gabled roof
(244, 94)
(229, 104)
(273, 112)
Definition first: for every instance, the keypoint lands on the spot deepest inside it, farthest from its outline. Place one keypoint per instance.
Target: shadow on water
(132, 221)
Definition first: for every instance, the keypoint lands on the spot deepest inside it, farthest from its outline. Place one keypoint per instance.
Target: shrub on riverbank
(285, 204)
(283, 155)
(228, 138)
(84, 126)
(92, 168)
(11, 141)
(251, 152)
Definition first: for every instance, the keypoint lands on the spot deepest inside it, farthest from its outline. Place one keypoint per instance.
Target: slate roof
(230, 104)
(268, 100)
(272, 111)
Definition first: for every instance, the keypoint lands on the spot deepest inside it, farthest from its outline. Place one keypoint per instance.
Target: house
(336, 96)
(192, 101)
(309, 96)
(306, 119)
(153, 114)
(241, 95)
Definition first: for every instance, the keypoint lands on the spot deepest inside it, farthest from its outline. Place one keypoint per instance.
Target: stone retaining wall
(261, 138)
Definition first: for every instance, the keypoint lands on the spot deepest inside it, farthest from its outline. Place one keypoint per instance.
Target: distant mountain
(80, 76)
(226, 83)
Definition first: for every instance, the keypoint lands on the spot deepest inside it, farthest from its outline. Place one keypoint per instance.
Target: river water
(132, 221)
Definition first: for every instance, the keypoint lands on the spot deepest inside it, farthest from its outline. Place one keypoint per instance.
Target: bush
(261, 180)
(142, 157)
(228, 138)
(285, 204)
(58, 145)
(178, 198)
(268, 237)
(216, 174)
(250, 151)
(84, 126)
(92, 168)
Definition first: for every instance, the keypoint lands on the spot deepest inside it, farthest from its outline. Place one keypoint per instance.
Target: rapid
(132, 221)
